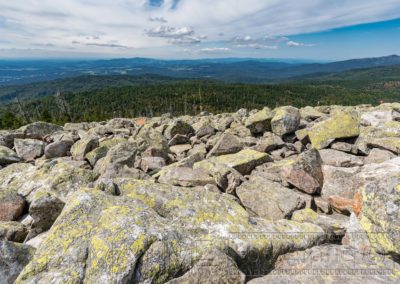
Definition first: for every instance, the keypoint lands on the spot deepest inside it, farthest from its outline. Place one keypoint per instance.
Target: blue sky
(180, 29)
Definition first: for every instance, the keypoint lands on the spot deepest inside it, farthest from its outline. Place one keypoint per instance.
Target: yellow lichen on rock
(341, 125)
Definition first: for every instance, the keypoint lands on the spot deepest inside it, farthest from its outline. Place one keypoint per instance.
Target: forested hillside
(193, 96)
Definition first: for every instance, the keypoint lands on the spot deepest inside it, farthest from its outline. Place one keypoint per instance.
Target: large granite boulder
(269, 200)
(123, 239)
(340, 125)
(244, 161)
(29, 149)
(39, 130)
(286, 120)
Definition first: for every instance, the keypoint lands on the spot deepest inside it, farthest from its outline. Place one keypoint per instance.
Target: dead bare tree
(22, 110)
(63, 105)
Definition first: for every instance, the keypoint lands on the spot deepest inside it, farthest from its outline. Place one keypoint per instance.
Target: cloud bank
(160, 27)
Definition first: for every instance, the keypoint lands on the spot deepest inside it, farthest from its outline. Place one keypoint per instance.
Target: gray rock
(44, 210)
(58, 149)
(260, 121)
(286, 120)
(335, 158)
(39, 130)
(152, 163)
(335, 225)
(269, 143)
(269, 200)
(29, 149)
(13, 258)
(377, 156)
(305, 173)
(186, 177)
(8, 156)
(345, 147)
(178, 127)
(227, 144)
(340, 181)
(356, 236)
(178, 139)
(84, 146)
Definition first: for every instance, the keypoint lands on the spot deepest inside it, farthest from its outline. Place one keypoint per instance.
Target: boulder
(269, 143)
(305, 173)
(76, 126)
(335, 158)
(269, 200)
(214, 267)
(29, 149)
(58, 149)
(260, 121)
(186, 177)
(54, 176)
(356, 236)
(11, 204)
(123, 239)
(335, 225)
(82, 147)
(286, 120)
(227, 144)
(340, 125)
(377, 156)
(152, 163)
(345, 147)
(178, 139)
(117, 157)
(332, 264)
(7, 137)
(44, 210)
(309, 113)
(244, 161)
(340, 181)
(13, 258)
(178, 127)
(8, 156)
(379, 197)
(39, 130)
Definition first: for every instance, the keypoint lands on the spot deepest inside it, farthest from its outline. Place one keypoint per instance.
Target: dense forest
(193, 96)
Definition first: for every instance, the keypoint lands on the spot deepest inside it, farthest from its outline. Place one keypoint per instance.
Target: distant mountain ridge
(243, 70)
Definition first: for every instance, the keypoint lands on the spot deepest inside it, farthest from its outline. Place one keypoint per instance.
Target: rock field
(289, 195)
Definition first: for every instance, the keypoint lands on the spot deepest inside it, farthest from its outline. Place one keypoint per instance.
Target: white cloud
(214, 49)
(158, 19)
(291, 43)
(142, 27)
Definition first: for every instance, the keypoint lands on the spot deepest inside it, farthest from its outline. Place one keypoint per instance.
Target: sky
(186, 29)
